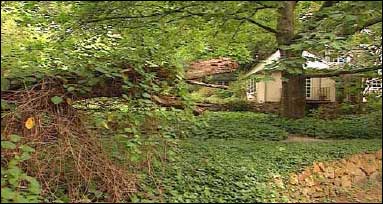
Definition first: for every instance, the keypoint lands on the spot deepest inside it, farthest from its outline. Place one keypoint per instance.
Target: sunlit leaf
(56, 100)
(30, 123)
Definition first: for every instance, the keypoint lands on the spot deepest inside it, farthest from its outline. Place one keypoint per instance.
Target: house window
(376, 84)
(251, 86)
(308, 87)
(341, 60)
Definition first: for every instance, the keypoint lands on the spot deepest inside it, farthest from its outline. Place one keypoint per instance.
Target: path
(301, 138)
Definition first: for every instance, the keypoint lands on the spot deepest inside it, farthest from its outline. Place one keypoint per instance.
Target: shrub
(347, 127)
(237, 125)
(16, 185)
(238, 105)
(224, 93)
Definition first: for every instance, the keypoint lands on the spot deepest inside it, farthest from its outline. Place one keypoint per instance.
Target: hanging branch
(341, 72)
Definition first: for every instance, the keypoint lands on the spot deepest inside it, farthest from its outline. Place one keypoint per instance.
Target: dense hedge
(346, 127)
(237, 125)
(272, 127)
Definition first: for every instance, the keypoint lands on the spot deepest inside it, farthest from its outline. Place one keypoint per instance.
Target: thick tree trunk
(293, 96)
(293, 99)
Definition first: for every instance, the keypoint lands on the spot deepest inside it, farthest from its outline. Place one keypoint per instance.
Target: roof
(318, 64)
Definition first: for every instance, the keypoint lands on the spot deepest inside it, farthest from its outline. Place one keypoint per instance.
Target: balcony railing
(320, 94)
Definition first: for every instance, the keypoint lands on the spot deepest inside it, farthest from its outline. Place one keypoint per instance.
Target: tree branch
(341, 72)
(272, 30)
(243, 21)
(194, 82)
(178, 10)
(315, 18)
(361, 27)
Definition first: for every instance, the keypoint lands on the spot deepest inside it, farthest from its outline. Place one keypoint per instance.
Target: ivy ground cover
(237, 170)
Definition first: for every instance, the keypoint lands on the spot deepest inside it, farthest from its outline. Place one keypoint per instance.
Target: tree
(136, 44)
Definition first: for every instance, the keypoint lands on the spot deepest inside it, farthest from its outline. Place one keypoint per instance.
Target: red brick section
(200, 69)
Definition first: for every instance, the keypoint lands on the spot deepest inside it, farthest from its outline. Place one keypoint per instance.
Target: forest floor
(239, 170)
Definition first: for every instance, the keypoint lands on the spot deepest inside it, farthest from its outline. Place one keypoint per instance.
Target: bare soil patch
(302, 138)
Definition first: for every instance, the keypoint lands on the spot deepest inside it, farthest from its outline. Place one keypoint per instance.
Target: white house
(317, 89)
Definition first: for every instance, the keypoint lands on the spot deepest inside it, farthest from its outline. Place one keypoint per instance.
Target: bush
(16, 185)
(374, 103)
(261, 126)
(347, 127)
(238, 105)
(237, 125)
(224, 93)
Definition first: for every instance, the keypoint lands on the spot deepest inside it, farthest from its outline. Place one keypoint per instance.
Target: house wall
(324, 83)
(270, 91)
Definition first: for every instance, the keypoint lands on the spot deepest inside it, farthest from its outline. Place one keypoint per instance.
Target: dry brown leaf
(30, 123)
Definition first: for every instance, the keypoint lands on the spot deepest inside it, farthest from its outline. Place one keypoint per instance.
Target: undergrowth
(237, 170)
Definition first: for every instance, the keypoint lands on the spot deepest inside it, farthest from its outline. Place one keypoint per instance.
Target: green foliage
(238, 105)
(271, 127)
(228, 125)
(374, 103)
(56, 100)
(70, 40)
(346, 127)
(16, 185)
(236, 170)
(224, 93)
(347, 108)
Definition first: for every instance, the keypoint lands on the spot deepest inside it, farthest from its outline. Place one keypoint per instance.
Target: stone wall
(324, 180)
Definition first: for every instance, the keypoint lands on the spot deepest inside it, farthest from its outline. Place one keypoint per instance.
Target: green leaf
(4, 84)
(25, 156)
(7, 193)
(7, 145)
(128, 130)
(34, 186)
(71, 89)
(26, 148)
(14, 138)
(4, 105)
(146, 95)
(15, 171)
(56, 100)
(101, 70)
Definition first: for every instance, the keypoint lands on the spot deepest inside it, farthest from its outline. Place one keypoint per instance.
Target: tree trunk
(293, 96)
(293, 100)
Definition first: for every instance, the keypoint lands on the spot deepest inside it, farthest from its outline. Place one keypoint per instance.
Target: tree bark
(293, 100)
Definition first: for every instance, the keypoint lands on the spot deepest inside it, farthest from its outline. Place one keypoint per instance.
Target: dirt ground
(301, 138)
(368, 192)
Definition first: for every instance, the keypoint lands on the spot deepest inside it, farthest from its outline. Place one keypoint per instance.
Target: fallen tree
(199, 69)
